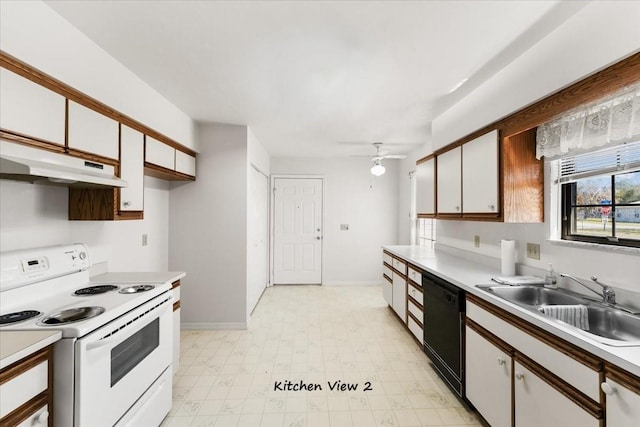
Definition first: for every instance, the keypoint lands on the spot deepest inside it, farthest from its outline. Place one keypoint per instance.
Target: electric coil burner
(95, 290)
(73, 315)
(136, 289)
(20, 316)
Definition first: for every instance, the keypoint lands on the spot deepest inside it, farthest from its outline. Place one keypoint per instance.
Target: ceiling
(312, 78)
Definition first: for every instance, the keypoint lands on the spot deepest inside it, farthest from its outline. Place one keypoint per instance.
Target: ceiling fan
(377, 169)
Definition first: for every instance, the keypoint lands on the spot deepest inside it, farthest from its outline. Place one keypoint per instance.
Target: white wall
(352, 196)
(32, 32)
(598, 35)
(33, 215)
(208, 231)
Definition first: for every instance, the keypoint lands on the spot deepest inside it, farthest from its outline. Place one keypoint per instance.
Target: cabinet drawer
(387, 259)
(415, 275)
(415, 293)
(569, 369)
(159, 153)
(387, 271)
(23, 388)
(400, 266)
(415, 329)
(414, 309)
(39, 418)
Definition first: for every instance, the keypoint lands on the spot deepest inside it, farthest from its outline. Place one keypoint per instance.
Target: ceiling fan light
(377, 169)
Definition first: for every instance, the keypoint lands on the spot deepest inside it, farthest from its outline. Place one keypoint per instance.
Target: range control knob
(82, 255)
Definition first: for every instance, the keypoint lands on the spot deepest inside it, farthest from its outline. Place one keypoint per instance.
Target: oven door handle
(107, 341)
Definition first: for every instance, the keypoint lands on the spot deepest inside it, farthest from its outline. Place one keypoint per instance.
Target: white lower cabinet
(623, 405)
(539, 404)
(400, 296)
(488, 379)
(387, 291)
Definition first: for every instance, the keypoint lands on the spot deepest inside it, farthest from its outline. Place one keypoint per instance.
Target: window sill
(595, 246)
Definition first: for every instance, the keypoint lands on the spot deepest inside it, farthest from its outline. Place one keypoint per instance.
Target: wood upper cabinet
(92, 132)
(449, 182)
(185, 163)
(166, 162)
(132, 169)
(480, 170)
(426, 186)
(160, 154)
(31, 110)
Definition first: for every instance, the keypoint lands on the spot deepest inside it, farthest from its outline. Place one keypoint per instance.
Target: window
(600, 194)
(426, 232)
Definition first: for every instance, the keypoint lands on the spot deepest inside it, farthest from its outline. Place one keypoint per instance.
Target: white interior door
(297, 233)
(257, 237)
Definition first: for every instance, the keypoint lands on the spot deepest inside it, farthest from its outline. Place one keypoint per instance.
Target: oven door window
(126, 355)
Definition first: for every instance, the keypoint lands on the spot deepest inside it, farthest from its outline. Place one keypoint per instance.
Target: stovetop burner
(19, 316)
(94, 290)
(136, 289)
(73, 315)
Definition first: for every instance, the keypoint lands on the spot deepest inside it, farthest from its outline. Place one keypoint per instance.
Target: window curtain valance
(611, 120)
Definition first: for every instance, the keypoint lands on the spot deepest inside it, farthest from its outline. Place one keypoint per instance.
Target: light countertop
(139, 277)
(16, 345)
(467, 274)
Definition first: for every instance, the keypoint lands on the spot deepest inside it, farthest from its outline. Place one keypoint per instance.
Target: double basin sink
(607, 323)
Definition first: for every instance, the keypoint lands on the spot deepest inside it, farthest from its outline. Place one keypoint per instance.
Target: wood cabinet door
(400, 296)
(539, 404)
(480, 172)
(91, 132)
(387, 291)
(31, 110)
(449, 182)
(488, 379)
(132, 169)
(623, 405)
(426, 187)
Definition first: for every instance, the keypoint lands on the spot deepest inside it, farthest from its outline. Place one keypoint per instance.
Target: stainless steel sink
(607, 324)
(533, 295)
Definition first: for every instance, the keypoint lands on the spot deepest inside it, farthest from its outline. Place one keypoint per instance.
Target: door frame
(272, 208)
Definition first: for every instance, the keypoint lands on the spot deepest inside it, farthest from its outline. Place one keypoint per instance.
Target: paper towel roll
(508, 248)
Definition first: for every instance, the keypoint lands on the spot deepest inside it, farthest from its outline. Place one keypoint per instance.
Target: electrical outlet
(145, 240)
(533, 251)
(476, 241)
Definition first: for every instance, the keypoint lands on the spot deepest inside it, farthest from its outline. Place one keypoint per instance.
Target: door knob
(318, 238)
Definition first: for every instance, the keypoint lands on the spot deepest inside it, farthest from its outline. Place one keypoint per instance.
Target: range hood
(24, 163)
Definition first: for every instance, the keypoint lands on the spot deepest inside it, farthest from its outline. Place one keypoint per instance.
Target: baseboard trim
(352, 283)
(215, 325)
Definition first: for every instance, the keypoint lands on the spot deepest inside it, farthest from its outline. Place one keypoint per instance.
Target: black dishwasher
(443, 315)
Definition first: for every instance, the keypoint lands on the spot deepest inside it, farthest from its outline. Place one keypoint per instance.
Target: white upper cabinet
(480, 171)
(132, 169)
(425, 187)
(159, 153)
(185, 163)
(449, 182)
(30, 109)
(92, 132)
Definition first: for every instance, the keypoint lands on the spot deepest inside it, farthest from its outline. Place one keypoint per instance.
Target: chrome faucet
(608, 294)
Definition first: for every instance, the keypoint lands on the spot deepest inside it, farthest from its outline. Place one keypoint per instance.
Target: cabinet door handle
(519, 376)
(492, 207)
(608, 389)
(127, 204)
(457, 208)
(501, 361)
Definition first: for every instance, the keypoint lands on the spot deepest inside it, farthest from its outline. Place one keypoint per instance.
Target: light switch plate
(145, 240)
(344, 227)
(533, 251)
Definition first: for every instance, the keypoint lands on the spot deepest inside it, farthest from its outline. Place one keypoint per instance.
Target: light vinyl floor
(317, 335)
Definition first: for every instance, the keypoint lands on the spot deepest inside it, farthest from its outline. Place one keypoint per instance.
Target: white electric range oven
(112, 366)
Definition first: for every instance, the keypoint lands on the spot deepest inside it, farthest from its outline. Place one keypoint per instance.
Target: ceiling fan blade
(394, 156)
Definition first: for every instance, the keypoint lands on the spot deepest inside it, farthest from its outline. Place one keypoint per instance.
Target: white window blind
(609, 161)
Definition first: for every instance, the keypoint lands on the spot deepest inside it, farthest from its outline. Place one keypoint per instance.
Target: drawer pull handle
(608, 389)
(501, 361)
(41, 418)
(519, 376)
